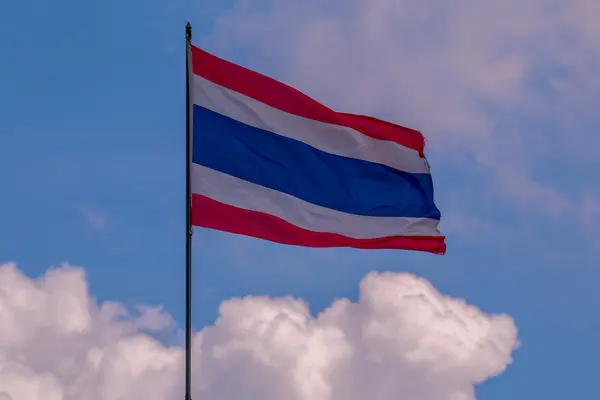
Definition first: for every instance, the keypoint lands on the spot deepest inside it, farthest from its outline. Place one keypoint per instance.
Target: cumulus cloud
(402, 336)
(507, 85)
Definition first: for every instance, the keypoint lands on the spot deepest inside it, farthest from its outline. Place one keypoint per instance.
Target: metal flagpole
(188, 219)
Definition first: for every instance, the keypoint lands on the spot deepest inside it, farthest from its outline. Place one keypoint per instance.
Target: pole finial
(188, 32)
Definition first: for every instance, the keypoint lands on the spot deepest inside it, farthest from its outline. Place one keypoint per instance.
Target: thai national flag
(272, 163)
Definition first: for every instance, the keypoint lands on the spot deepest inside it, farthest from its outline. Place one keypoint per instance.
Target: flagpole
(188, 223)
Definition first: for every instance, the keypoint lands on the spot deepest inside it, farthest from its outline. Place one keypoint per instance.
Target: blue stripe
(287, 165)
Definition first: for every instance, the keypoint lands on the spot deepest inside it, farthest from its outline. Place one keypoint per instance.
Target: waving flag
(272, 163)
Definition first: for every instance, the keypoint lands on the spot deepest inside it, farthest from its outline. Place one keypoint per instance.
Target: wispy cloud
(95, 218)
(502, 91)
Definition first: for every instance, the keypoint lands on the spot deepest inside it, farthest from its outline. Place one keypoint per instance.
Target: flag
(272, 163)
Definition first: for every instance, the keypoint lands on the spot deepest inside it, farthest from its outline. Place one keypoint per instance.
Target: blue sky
(92, 144)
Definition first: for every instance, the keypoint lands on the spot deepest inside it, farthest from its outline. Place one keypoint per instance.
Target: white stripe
(236, 192)
(334, 139)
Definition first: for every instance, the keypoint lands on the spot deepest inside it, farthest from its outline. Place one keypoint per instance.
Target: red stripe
(288, 99)
(209, 213)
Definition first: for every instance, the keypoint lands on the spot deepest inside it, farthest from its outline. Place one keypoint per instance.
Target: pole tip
(188, 31)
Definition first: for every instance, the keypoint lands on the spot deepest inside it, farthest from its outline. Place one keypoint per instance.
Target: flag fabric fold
(272, 163)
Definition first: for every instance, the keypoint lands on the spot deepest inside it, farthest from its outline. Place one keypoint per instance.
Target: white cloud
(462, 71)
(153, 319)
(57, 343)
